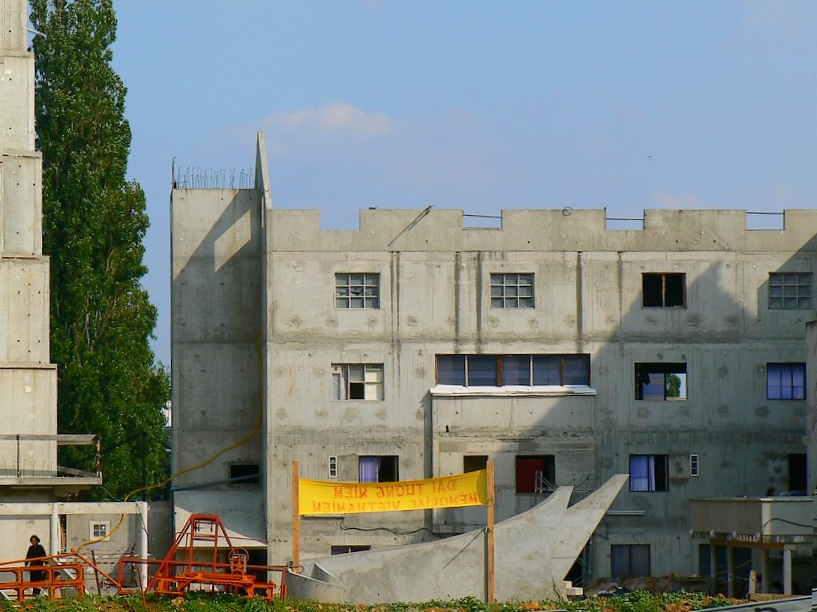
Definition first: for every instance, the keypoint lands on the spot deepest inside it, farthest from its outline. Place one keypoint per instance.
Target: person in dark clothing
(35, 551)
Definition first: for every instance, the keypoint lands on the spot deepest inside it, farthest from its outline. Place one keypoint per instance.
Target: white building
(415, 346)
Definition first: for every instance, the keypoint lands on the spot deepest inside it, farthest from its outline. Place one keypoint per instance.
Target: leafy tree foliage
(94, 224)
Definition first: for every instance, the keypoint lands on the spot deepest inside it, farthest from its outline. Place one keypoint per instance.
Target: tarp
(318, 497)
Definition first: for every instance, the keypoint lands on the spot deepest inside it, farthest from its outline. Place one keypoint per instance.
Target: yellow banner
(317, 497)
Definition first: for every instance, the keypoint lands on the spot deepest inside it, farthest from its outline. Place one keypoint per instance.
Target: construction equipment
(202, 558)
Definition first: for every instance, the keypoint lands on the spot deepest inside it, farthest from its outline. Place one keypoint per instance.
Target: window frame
(474, 463)
(791, 387)
(523, 485)
(665, 296)
(332, 466)
(98, 537)
(656, 477)
(367, 384)
(644, 370)
(357, 290)
(694, 465)
(513, 290)
(470, 370)
(630, 549)
(780, 282)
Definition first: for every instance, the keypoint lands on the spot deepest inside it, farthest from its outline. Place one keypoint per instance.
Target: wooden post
(490, 543)
(296, 519)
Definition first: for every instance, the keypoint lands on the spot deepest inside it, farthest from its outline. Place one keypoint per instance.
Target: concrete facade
(258, 339)
(28, 380)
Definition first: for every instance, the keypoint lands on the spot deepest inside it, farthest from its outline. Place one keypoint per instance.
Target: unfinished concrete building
(29, 475)
(415, 347)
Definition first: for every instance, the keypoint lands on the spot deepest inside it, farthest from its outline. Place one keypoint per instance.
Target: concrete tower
(28, 380)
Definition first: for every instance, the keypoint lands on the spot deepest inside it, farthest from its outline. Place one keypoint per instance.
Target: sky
(473, 105)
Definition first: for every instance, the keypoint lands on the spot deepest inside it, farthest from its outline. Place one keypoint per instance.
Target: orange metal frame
(192, 564)
(57, 577)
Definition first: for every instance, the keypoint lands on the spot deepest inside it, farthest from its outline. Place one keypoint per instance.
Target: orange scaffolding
(202, 558)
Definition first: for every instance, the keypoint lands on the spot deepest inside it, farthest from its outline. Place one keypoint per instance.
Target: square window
(357, 290)
(378, 469)
(790, 290)
(663, 290)
(661, 381)
(451, 370)
(516, 370)
(649, 473)
(482, 371)
(512, 291)
(629, 561)
(357, 381)
(474, 463)
(535, 474)
(786, 381)
(245, 473)
(100, 531)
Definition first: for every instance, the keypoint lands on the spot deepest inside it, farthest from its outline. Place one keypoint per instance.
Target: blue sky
(480, 106)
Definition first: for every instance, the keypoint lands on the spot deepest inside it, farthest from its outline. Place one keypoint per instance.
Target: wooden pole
(490, 543)
(296, 519)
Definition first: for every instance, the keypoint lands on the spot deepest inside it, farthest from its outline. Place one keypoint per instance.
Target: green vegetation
(93, 227)
(636, 601)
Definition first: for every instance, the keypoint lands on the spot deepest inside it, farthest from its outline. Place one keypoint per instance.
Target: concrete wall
(278, 280)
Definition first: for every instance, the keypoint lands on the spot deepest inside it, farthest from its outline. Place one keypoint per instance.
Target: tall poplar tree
(93, 227)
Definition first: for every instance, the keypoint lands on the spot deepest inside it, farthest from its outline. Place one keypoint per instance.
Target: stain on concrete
(723, 371)
(762, 412)
(294, 321)
(722, 410)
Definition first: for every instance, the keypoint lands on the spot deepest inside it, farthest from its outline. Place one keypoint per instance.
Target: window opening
(357, 381)
(333, 466)
(349, 548)
(786, 381)
(790, 290)
(649, 473)
(100, 530)
(663, 290)
(629, 561)
(245, 473)
(378, 469)
(512, 291)
(694, 465)
(798, 473)
(474, 463)
(660, 381)
(517, 370)
(535, 474)
(357, 290)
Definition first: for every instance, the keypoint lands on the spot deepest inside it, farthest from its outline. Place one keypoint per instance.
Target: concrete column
(713, 568)
(765, 574)
(54, 544)
(730, 571)
(142, 550)
(787, 571)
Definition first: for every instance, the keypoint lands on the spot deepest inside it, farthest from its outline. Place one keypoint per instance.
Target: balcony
(774, 521)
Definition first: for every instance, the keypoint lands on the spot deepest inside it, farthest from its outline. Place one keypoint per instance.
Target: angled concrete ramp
(533, 552)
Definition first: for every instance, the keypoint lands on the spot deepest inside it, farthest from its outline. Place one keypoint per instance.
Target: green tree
(673, 385)
(94, 222)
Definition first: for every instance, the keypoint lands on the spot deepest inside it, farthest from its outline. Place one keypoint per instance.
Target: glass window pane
(451, 370)
(516, 370)
(482, 371)
(547, 370)
(577, 369)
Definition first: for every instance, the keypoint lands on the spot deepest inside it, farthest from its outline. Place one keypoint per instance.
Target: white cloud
(677, 200)
(781, 22)
(335, 117)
